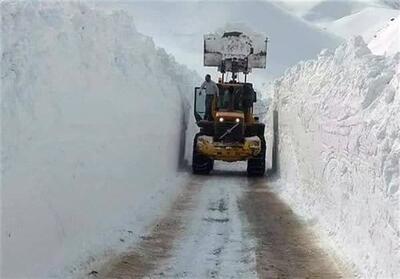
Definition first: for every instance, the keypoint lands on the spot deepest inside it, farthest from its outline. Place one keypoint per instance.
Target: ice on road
(226, 226)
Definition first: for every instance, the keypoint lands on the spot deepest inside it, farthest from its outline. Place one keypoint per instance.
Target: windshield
(230, 98)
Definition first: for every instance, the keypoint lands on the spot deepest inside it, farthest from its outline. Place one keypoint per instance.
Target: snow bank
(339, 152)
(93, 118)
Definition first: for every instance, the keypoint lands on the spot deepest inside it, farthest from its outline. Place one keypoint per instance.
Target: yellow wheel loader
(231, 133)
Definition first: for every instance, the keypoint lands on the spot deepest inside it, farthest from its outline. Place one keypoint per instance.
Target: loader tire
(256, 165)
(200, 164)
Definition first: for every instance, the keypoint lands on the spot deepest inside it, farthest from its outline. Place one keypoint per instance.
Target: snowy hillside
(394, 4)
(365, 23)
(92, 121)
(323, 10)
(339, 152)
(387, 40)
(346, 19)
(172, 27)
(332, 10)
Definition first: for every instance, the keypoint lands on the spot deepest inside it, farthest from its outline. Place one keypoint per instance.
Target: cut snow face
(339, 151)
(93, 123)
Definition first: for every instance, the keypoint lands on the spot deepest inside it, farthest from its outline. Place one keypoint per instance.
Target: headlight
(221, 119)
(237, 120)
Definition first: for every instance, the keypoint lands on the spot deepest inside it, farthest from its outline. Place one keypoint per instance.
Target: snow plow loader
(228, 130)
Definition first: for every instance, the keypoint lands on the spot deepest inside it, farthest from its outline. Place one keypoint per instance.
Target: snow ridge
(93, 115)
(340, 151)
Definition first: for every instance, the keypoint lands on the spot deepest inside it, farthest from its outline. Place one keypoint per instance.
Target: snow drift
(339, 151)
(93, 118)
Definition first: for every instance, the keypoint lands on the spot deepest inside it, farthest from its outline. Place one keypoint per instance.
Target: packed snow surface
(93, 121)
(339, 151)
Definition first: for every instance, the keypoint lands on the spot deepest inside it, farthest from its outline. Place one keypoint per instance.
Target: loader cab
(233, 97)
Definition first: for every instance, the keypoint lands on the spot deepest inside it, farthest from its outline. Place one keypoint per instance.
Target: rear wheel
(256, 165)
(200, 164)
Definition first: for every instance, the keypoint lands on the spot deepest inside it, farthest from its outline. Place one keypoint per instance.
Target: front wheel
(200, 164)
(256, 165)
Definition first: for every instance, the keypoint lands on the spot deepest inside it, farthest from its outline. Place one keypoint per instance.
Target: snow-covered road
(226, 226)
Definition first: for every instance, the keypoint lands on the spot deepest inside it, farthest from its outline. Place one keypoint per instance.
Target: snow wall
(93, 122)
(339, 152)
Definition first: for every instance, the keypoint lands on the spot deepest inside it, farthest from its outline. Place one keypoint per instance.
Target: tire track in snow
(227, 226)
(156, 246)
(215, 244)
(286, 248)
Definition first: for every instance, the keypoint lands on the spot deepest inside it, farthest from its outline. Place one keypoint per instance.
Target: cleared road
(226, 226)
